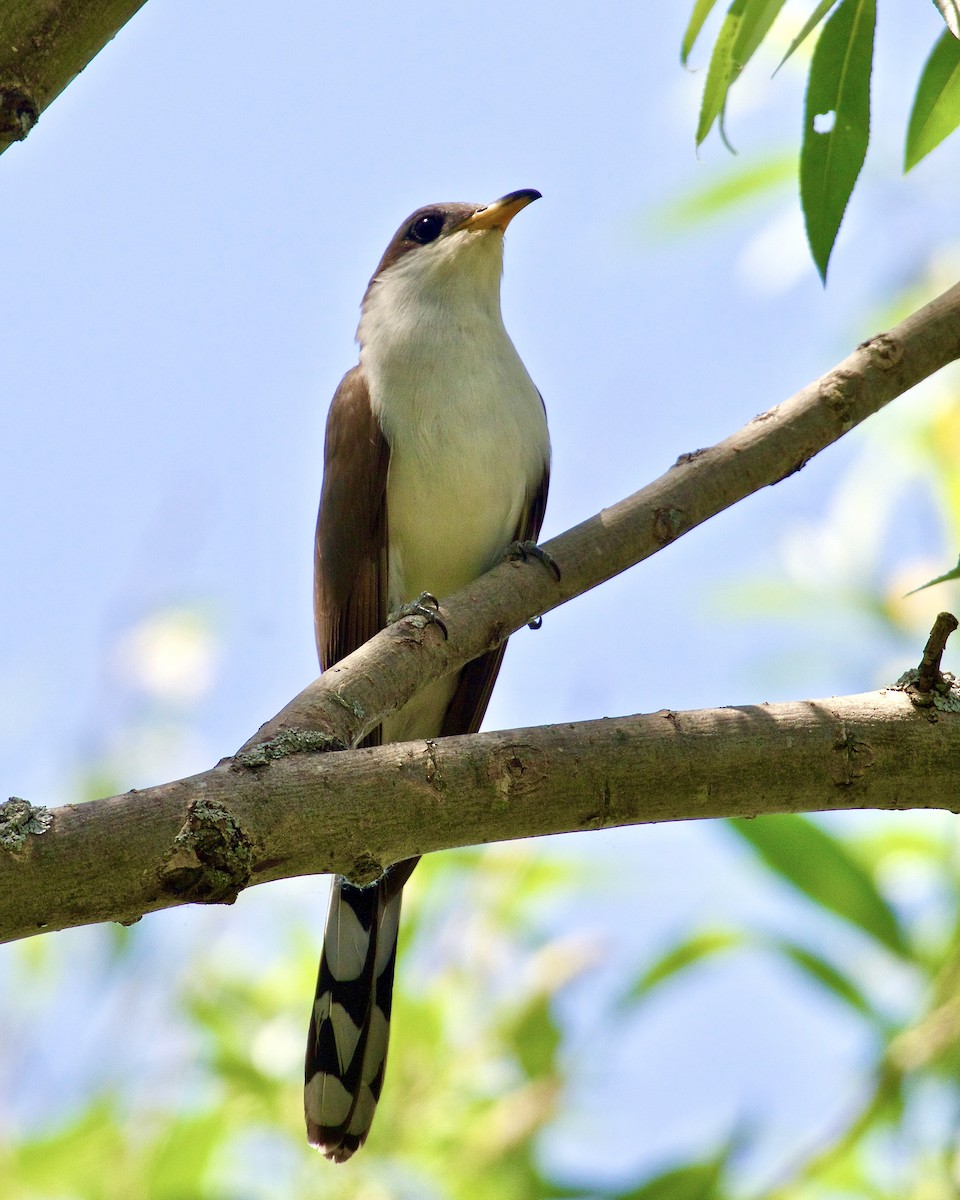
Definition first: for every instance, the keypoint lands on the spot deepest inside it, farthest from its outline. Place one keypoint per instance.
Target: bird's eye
(426, 228)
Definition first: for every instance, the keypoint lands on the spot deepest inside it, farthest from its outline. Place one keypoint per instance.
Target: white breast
(464, 422)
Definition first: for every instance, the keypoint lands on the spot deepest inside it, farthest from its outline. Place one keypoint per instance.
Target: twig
(928, 673)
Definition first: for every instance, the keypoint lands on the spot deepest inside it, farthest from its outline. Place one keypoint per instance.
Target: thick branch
(206, 837)
(44, 44)
(355, 695)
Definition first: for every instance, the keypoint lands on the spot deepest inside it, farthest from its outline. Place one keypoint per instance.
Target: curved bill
(500, 213)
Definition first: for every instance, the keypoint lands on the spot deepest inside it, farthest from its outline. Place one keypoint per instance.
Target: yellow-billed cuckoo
(436, 460)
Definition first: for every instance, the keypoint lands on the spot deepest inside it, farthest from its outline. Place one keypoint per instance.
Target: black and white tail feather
(436, 457)
(350, 1022)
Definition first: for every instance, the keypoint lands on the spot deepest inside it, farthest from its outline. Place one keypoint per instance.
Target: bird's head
(445, 255)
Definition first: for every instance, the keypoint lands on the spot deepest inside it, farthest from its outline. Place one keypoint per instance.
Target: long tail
(350, 1022)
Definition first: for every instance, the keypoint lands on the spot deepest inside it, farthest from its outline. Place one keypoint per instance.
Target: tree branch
(354, 696)
(44, 44)
(279, 809)
(207, 837)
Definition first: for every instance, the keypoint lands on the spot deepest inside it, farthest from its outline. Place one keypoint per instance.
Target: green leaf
(809, 26)
(535, 1038)
(734, 189)
(696, 948)
(950, 11)
(696, 1181)
(758, 16)
(711, 942)
(950, 575)
(936, 106)
(76, 1152)
(839, 91)
(701, 10)
(821, 867)
(180, 1159)
(745, 26)
(827, 975)
(720, 72)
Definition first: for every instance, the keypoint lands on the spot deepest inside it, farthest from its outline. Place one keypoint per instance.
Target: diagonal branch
(355, 695)
(44, 45)
(278, 809)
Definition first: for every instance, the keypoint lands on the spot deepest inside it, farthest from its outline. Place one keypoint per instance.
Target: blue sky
(195, 220)
(197, 217)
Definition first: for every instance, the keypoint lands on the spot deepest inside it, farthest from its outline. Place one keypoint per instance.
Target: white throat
(464, 422)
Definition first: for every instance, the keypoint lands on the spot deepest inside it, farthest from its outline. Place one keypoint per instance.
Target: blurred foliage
(836, 119)
(476, 1068)
(894, 884)
(483, 1062)
(915, 1074)
(480, 1062)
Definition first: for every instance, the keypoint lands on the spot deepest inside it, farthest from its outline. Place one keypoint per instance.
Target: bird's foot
(525, 551)
(426, 606)
(528, 550)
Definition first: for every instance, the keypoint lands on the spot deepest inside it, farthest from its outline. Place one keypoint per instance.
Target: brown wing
(477, 678)
(350, 552)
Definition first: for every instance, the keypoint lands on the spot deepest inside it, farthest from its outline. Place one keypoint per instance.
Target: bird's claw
(426, 606)
(525, 551)
(528, 550)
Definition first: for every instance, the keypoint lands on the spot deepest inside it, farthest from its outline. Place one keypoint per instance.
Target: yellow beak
(500, 213)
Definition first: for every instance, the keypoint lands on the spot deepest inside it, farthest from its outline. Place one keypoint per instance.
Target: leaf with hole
(836, 126)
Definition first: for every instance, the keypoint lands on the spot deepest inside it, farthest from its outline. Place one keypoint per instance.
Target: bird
(436, 462)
